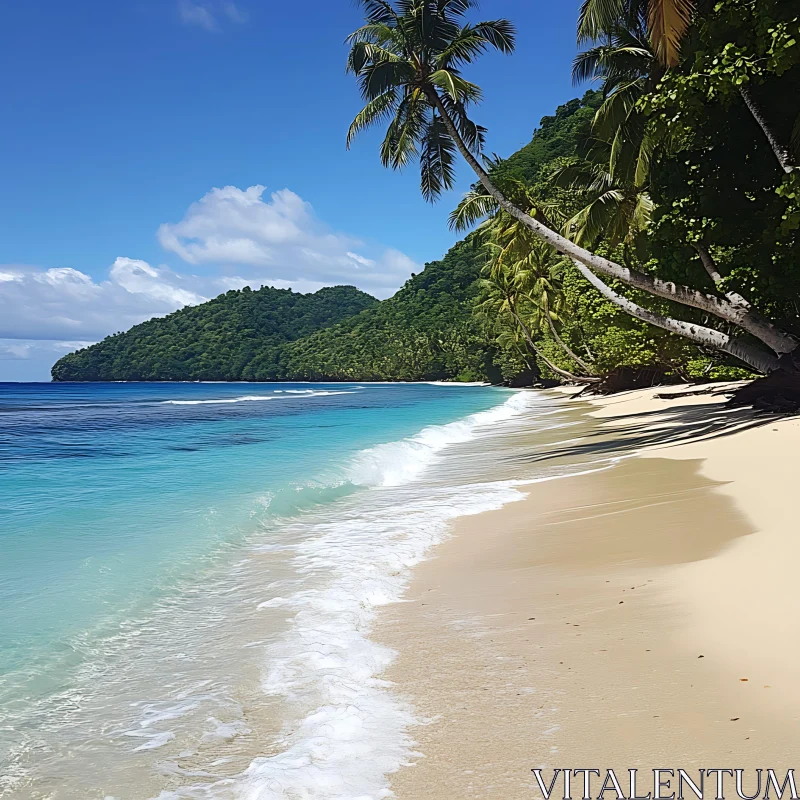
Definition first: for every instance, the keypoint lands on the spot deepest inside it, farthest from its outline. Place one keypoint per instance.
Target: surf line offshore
(668, 784)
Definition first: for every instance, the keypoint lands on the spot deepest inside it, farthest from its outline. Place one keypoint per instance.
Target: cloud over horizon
(233, 237)
(282, 237)
(65, 304)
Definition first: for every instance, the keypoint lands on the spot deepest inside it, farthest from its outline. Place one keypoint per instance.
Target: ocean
(189, 574)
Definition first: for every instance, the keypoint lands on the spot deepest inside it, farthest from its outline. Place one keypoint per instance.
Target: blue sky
(135, 131)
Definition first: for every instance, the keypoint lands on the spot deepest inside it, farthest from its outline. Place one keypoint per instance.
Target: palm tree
(537, 272)
(665, 22)
(501, 294)
(620, 135)
(407, 62)
(618, 152)
(407, 59)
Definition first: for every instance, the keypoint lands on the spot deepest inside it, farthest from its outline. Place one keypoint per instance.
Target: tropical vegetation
(236, 336)
(653, 224)
(665, 67)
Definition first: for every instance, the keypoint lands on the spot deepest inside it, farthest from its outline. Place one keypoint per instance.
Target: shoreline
(637, 616)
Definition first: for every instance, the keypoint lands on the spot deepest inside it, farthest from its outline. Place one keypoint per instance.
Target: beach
(365, 591)
(640, 615)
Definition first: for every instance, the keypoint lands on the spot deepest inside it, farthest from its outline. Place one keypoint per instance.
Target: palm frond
(498, 33)
(379, 11)
(586, 65)
(374, 32)
(668, 21)
(644, 157)
(597, 17)
(616, 109)
(378, 77)
(642, 212)
(456, 7)
(473, 135)
(455, 86)
(595, 220)
(583, 176)
(373, 112)
(472, 209)
(437, 170)
(474, 40)
(364, 54)
(400, 146)
(464, 49)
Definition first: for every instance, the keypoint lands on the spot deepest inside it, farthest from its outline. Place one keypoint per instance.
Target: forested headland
(651, 226)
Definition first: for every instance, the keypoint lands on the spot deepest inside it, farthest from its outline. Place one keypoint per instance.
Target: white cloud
(235, 237)
(138, 277)
(282, 238)
(195, 14)
(207, 15)
(67, 305)
(365, 262)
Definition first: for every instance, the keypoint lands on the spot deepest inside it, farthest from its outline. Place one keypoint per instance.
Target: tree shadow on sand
(672, 425)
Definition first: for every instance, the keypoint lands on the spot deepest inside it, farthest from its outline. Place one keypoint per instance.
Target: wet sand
(640, 616)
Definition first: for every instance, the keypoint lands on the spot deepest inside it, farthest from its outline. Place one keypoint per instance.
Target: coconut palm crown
(407, 59)
(665, 21)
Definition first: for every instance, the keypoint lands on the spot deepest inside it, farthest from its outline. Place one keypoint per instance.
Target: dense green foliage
(234, 336)
(721, 183)
(658, 169)
(428, 330)
(675, 163)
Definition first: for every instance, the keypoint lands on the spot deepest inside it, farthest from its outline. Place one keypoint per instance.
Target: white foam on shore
(346, 732)
(457, 383)
(396, 463)
(255, 397)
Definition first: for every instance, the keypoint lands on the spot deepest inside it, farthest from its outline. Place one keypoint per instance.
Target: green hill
(217, 340)
(426, 331)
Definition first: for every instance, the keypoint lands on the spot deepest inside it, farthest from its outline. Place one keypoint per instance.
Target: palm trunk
(710, 266)
(782, 152)
(759, 360)
(741, 316)
(564, 346)
(556, 369)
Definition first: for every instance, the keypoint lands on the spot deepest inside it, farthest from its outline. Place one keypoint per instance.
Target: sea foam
(255, 397)
(346, 730)
(396, 463)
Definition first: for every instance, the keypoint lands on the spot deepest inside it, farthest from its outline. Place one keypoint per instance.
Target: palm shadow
(670, 426)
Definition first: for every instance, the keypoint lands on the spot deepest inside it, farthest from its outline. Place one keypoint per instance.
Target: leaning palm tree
(537, 272)
(500, 295)
(407, 59)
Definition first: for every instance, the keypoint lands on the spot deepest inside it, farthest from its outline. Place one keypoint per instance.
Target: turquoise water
(149, 531)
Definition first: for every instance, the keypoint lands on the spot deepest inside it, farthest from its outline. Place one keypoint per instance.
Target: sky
(156, 153)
